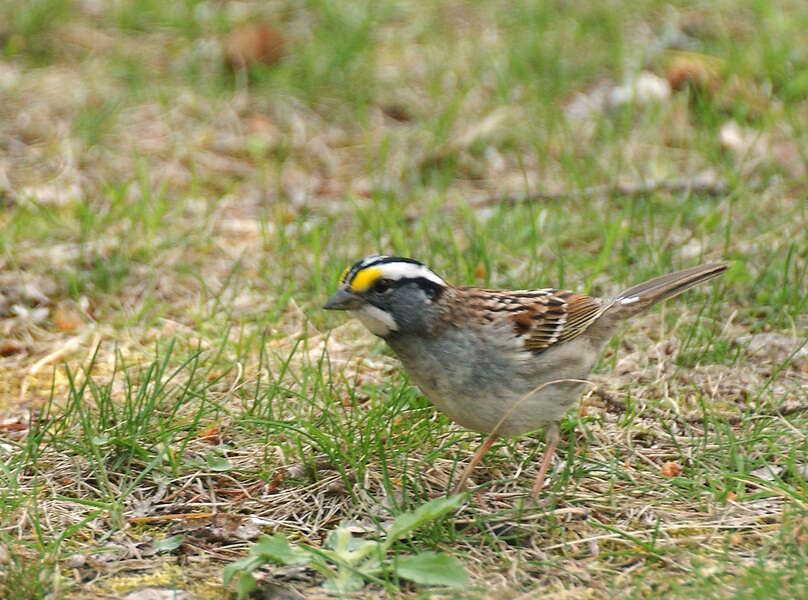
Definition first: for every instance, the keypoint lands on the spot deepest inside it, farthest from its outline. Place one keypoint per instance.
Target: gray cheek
(413, 313)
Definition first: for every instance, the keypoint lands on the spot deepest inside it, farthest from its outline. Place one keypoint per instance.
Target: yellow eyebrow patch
(365, 278)
(344, 274)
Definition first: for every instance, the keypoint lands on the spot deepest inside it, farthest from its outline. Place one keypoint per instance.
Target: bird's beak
(343, 299)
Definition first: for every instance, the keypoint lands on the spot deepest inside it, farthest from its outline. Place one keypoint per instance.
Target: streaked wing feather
(540, 317)
(556, 316)
(582, 311)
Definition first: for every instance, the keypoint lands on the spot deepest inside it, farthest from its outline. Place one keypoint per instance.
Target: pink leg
(473, 463)
(551, 437)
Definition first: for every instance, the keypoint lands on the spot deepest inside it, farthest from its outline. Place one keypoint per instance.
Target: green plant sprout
(348, 562)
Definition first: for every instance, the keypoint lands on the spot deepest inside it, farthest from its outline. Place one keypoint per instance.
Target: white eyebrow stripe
(405, 270)
(371, 259)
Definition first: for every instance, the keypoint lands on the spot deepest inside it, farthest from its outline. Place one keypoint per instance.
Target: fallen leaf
(209, 435)
(254, 43)
(11, 347)
(671, 469)
(276, 482)
(67, 318)
(695, 71)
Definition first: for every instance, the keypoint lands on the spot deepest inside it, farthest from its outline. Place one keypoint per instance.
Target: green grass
(193, 220)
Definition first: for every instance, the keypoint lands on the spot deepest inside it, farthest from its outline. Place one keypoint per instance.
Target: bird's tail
(645, 295)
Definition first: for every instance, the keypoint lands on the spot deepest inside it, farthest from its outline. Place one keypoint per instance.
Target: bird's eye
(382, 286)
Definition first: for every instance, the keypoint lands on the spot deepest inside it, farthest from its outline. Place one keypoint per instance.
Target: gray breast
(475, 377)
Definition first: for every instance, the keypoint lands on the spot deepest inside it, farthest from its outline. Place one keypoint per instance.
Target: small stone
(75, 561)
(646, 88)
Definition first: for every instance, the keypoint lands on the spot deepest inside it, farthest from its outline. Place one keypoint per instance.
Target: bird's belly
(493, 391)
(503, 409)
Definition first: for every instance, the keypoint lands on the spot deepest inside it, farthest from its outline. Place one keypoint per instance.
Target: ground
(171, 223)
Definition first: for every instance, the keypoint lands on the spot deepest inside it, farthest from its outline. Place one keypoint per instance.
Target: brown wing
(556, 317)
(540, 317)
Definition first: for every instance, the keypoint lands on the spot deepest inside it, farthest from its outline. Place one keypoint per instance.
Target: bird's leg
(552, 435)
(473, 463)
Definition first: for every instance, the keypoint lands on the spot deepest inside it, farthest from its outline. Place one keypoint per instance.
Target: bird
(499, 362)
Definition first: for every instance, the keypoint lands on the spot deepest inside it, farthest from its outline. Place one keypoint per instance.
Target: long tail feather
(644, 295)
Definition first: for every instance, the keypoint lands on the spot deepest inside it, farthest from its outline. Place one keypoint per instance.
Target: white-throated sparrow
(501, 362)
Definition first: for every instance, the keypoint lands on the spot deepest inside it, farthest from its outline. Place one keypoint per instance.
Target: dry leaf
(671, 469)
(11, 347)
(693, 71)
(276, 482)
(209, 435)
(67, 318)
(256, 43)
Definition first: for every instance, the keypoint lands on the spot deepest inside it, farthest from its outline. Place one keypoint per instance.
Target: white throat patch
(376, 320)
